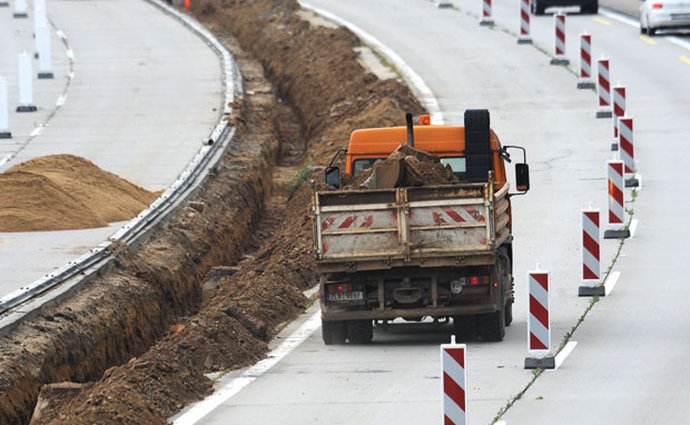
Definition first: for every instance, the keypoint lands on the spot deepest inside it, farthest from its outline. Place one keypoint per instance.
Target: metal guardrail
(179, 190)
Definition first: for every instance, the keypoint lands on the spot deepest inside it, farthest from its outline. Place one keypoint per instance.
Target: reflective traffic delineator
(559, 40)
(45, 56)
(20, 9)
(627, 150)
(26, 91)
(4, 111)
(585, 81)
(524, 37)
(616, 205)
(618, 92)
(591, 253)
(454, 383)
(603, 89)
(486, 13)
(539, 322)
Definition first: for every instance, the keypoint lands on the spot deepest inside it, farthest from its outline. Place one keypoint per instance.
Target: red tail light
(478, 280)
(657, 6)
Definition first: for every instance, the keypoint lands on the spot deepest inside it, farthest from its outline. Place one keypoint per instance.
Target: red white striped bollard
(618, 93)
(524, 37)
(454, 383)
(603, 89)
(585, 81)
(539, 322)
(627, 151)
(559, 40)
(486, 13)
(591, 253)
(616, 205)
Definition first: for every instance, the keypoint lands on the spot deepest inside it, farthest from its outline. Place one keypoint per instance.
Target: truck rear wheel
(465, 328)
(333, 332)
(509, 312)
(492, 326)
(360, 331)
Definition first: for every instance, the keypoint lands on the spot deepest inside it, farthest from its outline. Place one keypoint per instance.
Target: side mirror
(522, 177)
(333, 176)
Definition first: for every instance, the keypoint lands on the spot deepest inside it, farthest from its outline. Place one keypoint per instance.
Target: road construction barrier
(454, 383)
(26, 91)
(591, 253)
(618, 93)
(585, 81)
(559, 40)
(45, 56)
(539, 322)
(603, 89)
(486, 13)
(20, 9)
(627, 150)
(4, 110)
(40, 15)
(524, 37)
(616, 204)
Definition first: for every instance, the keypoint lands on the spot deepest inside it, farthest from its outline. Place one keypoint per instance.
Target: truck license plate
(346, 296)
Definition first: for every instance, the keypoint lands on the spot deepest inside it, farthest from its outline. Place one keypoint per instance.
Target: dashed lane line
(684, 59)
(602, 21)
(647, 40)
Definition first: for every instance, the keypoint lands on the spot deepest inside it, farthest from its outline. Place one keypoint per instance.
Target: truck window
(360, 165)
(457, 164)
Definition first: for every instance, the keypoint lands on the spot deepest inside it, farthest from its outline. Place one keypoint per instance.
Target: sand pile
(63, 192)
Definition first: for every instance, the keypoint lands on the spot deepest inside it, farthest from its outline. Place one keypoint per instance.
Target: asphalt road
(145, 94)
(631, 345)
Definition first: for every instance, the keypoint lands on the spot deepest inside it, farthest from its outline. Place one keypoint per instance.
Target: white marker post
(20, 9)
(40, 15)
(454, 373)
(45, 56)
(4, 3)
(26, 91)
(4, 110)
(539, 322)
(591, 254)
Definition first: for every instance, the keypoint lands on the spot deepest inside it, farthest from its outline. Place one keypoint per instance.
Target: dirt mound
(63, 192)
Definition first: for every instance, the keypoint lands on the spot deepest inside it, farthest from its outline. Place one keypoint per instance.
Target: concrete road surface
(145, 93)
(632, 343)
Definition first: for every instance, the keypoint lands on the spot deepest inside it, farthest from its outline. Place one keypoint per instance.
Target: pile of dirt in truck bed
(63, 192)
(312, 68)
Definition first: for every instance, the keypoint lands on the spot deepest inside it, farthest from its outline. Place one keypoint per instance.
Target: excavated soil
(64, 192)
(315, 70)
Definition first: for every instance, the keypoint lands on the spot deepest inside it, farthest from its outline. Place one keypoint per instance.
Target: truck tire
(360, 331)
(465, 328)
(509, 312)
(333, 332)
(492, 326)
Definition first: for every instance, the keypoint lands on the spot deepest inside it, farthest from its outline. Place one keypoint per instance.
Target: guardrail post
(539, 322)
(453, 370)
(20, 9)
(45, 56)
(4, 110)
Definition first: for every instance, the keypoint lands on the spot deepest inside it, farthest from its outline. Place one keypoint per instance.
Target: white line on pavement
(37, 131)
(633, 227)
(61, 101)
(561, 356)
(611, 282)
(634, 23)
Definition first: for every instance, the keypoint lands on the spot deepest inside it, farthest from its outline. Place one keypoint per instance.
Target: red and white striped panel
(454, 384)
(585, 56)
(627, 149)
(453, 215)
(358, 219)
(616, 184)
(603, 84)
(486, 9)
(591, 246)
(539, 323)
(559, 26)
(618, 107)
(524, 19)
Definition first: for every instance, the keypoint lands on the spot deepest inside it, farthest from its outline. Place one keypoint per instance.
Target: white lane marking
(70, 54)
(60, 34)
(633, 227)
(37, 131)
(61, 101)
(199, 410)
(561, 356)
(418, 85)
(611, 282)
(634, 23)
(5, 160)
(70, 75)
(311, 291)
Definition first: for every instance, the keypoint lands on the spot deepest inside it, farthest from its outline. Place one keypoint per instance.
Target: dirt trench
(156, 291)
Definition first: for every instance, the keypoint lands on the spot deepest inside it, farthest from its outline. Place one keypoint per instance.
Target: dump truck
(441, 252)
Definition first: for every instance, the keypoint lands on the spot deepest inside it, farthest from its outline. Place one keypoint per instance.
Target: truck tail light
(478, 280)
(657, 5)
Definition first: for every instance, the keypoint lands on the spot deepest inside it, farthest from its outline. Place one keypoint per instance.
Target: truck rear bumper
(390, 314)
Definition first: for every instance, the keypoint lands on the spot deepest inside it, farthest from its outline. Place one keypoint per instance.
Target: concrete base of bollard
(545, 363)
(21, 15)
(45, 76)
(617, 234)
(5, 135)
(614, 147)
(4, 4)
(524, 40)
(632, 182)
(559, 61)
(591, 291)
(604, 113)
(27, 108)
(444, 4)
(486, 22)
(585, 84)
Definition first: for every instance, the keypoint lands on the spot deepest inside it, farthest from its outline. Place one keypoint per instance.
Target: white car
(664, 14)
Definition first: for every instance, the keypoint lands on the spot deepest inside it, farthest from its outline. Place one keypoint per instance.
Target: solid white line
(639, 181)
(565, 352)
(60, 34)
(417, 84)
(70, 54)
(199, 410)
(633, 227)
(61, 101)
(634, 23)
(611, 282)
(36, 131)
